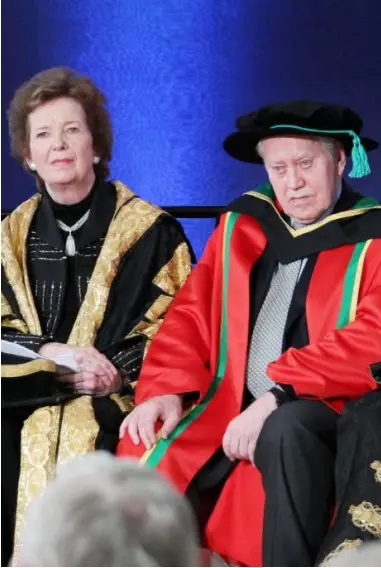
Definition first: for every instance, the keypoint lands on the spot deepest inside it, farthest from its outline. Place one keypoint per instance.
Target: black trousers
(358, 451)
(295, 454)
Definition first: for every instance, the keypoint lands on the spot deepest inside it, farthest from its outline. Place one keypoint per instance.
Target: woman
(89, 270)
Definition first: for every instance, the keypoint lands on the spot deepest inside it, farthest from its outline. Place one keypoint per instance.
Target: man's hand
(96, 375)
(241, 435)
(140, 423)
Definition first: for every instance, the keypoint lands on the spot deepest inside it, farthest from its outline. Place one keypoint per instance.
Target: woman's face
(61, 144)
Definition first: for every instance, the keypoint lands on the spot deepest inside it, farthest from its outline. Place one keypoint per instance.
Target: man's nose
(294, 179)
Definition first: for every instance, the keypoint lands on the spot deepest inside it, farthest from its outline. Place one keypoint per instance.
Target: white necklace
(70, 242)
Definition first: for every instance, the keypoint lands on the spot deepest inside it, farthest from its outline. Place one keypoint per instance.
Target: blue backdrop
(178, 72)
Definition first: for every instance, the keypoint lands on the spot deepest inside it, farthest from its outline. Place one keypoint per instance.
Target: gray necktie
(267, 337)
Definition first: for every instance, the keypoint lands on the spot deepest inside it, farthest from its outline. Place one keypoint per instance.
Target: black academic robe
(131, 260)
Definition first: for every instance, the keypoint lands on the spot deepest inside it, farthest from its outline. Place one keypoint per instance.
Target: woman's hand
(96, 375)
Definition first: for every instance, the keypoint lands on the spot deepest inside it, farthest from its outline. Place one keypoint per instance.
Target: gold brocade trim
(125, 402)
(153, 319)
(8, 319)
(14, 234)
(356, 288)
(174, 274)
(16, 324)
(302, 231)
(29, 368)
(346, 545)
(158, 308)
(38, 447)
(376, 465)
(367, 517)
(79, 429)
(6, 309)
(127, 227)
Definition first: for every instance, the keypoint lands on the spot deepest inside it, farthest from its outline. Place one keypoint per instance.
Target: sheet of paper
(65, 362)
(19, 350)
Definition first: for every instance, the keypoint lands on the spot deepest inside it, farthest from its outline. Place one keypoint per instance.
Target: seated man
(358, 478)
(106, 512)
(88, 270)
(276, 328)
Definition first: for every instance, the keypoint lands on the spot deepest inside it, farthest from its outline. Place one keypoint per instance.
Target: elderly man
(276, 328)
(106, 512)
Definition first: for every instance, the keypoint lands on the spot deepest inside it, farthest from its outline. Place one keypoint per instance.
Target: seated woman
(358, 476)
(89, 270)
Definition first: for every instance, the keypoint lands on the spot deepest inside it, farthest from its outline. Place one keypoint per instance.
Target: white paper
(65, 362)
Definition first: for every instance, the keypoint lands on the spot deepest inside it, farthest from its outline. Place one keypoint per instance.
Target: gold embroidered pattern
(38, 446)
(367, 517)
(16, 324)
(14, 233)
(376, 465)
(8, 319)
(173, 275)
(125, 402)
(346, 545)
(29, 368)
(158, 308)
(6, 309)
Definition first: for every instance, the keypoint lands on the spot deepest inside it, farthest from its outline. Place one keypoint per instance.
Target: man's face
(304, 175)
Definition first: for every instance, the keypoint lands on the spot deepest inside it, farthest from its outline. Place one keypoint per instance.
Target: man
(106, 512)
(274, 331)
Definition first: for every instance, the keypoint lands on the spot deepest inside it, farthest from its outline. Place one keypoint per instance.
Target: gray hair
(329, 144)
(103, 511)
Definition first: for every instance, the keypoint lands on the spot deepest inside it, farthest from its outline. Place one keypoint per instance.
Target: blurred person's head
(103, 511)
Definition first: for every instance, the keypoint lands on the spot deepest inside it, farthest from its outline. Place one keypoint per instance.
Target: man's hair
(329, 144)
(103, 511)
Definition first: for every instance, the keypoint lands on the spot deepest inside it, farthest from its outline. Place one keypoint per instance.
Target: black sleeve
(150, 275)
(12, 322)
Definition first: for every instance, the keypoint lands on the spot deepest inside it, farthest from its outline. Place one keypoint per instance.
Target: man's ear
(341, 160)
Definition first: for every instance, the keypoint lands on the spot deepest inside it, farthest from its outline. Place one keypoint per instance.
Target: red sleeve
(338, 365)
(177, 361)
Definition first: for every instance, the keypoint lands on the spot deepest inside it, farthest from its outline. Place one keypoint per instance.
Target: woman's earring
(32, 166)
(96, 160)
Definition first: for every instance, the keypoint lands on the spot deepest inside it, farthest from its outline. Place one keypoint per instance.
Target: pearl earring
(96, 160)
(32, 166)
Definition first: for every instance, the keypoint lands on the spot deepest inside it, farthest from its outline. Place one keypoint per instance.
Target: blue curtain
(178, 72)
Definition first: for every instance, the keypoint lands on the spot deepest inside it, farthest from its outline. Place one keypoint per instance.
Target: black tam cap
(301, 118)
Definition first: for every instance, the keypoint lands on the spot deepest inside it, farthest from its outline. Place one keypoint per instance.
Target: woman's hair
(53, 84)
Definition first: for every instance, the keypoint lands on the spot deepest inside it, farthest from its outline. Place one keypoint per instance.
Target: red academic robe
(202, 347)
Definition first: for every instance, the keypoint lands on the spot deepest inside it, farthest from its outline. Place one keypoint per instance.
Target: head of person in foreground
(103, 511)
